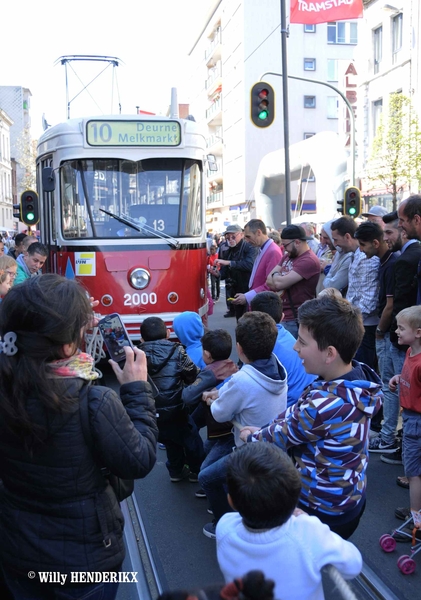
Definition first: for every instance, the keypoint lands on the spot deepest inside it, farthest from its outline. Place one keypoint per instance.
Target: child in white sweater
(267, 533)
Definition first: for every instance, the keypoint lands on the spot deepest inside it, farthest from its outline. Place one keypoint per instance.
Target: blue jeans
(212, 479)
(391, 399)
(398, 358)
(217, 448)
(366, 353)
(23, 589)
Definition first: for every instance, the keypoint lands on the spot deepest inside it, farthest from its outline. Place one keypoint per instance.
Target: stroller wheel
(406, 565)
(387, 543)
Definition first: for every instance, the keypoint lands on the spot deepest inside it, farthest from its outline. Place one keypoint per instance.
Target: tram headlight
(139, 278)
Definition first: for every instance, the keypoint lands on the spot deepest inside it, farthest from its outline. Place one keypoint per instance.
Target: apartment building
(6, 174)
(240, 42)
(15, 101)
(388, 61)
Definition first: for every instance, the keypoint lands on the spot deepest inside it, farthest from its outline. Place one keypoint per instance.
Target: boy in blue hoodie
(188, 327)
(326, 431)
(298, 379)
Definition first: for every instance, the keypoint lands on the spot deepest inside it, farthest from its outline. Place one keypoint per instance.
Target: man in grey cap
(296, 275)
(236, 266)
(376, 214)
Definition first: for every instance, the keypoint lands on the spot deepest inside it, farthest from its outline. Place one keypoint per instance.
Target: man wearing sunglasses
(236, 266)
(296, 276)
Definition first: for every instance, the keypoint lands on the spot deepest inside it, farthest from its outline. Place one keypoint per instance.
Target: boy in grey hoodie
(257, 391)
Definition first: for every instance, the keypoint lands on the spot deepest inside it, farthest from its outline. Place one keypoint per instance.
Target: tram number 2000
(137, 299)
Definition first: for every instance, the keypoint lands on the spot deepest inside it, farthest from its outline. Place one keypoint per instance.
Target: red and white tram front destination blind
(324, 11)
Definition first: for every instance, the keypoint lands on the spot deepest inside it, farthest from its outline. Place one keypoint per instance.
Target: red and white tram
(123, 211)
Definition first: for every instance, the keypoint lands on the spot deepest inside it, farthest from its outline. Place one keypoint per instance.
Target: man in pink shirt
(255, 233)
(296, 276)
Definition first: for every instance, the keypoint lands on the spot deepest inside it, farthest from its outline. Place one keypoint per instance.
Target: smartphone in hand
(115, 336)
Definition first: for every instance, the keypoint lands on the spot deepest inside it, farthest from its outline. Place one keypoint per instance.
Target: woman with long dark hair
(58, 512)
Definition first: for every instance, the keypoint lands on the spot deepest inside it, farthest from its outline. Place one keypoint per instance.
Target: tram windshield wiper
(139, 226)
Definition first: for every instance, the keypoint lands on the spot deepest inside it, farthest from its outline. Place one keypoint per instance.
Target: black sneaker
(193, 478)
(200, 493)
(403, 513)
(180, 476)
(392, 459)
(378, 445)
(209, 530)
(227, 315)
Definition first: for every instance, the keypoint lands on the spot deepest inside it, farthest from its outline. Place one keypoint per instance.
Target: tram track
(367, 586)
(149, 585)
(372, 586)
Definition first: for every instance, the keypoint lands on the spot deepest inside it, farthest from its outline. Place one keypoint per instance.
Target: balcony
(214, 79)
(214, 141)
(216, 175)
(214, 112)
(215, 200)
(213, 51)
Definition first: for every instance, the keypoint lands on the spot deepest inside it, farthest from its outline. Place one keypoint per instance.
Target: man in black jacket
(236, 266)
(404, 293)
(171, 369)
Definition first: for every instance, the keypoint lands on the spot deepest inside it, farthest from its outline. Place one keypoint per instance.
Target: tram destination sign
(133, 133)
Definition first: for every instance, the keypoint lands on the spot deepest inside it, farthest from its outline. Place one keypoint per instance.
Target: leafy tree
(26, 149)
(395, 161)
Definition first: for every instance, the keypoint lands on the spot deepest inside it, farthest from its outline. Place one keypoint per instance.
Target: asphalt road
(185, 558)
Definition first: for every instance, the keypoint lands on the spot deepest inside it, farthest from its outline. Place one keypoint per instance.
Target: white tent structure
(322, 155)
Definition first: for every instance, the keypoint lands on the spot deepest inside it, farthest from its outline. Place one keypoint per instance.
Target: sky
(152, 38)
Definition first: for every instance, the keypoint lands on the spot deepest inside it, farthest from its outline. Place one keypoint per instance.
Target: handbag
(123, 488)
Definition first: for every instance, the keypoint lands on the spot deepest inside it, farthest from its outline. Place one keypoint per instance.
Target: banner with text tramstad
(324, 11)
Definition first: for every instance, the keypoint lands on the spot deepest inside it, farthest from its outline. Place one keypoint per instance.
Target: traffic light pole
(344, 98)
(284, 34)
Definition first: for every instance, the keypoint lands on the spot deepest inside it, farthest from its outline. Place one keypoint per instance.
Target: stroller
(406, 563)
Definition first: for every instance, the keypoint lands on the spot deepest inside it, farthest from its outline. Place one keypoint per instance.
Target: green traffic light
(30, 216)
(263, 114)
(352, 211)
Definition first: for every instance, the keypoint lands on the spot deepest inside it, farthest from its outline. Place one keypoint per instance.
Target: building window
(309, 101)
(332, 69)
(332, 107)
(309, 64)
(342, 32)
(396, 36)
(309, 29)
(377, 111)
(378, 43)
(308, 135)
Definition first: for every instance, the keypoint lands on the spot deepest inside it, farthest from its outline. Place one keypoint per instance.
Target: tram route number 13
(138, 299)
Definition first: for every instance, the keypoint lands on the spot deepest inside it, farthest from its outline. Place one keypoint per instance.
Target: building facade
(15, 101)
(388, 62)
(239, 44)
(6, 174)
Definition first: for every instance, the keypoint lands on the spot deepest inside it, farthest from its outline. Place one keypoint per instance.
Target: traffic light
(16, 211)
(262, 104)
(340, 208)
(29, 207)
(352, 202)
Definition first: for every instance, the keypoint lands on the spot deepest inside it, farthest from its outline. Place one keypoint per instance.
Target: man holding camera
(236, 267)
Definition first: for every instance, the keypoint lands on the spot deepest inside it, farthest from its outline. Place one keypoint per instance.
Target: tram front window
(158, 196)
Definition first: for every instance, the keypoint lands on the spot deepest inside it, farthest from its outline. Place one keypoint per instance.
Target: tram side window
(191, 210)
(74, 214)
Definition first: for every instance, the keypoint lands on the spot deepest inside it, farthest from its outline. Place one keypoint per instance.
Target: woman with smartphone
(58, 513)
